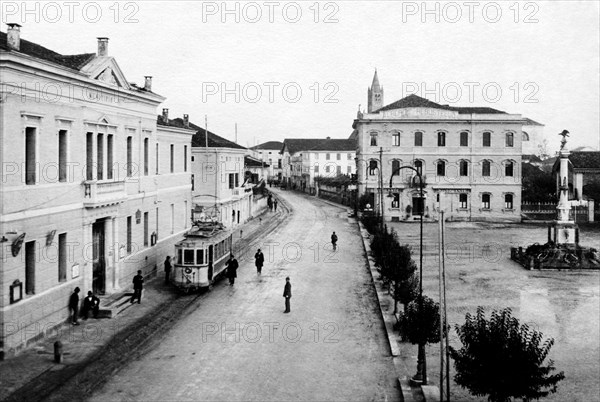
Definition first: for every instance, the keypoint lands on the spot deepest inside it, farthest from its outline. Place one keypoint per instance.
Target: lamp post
(421, 376)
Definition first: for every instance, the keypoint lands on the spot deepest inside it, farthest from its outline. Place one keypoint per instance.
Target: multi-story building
(91, 189)
(469, 158)
(304, 159)
(268, 152)
(533, 140)
(219, 188)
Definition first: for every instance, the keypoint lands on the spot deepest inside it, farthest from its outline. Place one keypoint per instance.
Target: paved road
(239, 345)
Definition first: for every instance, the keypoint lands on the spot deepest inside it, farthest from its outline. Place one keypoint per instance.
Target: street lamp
(421, 376)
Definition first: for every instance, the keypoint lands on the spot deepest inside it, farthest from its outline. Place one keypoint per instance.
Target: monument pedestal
(563, 234)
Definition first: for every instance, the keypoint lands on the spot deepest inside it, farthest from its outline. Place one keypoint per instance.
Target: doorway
(210, 263)
(98, 258)
(417, 204)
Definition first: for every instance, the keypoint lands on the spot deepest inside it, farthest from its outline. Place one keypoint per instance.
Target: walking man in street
(334, 240)
(259, 259)
(232, 266)
(167, 269)
(275, 205)
(74, 306)
(138, 285)
(287, 293)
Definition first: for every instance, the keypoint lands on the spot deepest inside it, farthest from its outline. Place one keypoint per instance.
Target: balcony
(102, 193)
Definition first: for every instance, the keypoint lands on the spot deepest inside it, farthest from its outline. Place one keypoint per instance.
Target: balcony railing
(101, 193)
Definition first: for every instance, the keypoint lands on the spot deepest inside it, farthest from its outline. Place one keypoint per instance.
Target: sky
(284, 69)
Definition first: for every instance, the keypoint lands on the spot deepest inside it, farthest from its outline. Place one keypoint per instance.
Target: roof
(177, 122)
(316, 144)
(529, 122)
(585, 160)
(214, 141)
(417, 101)
(250, 161)
(274, 145)
(75, 62)
(531, 158)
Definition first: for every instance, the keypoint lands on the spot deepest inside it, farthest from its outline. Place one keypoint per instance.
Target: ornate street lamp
(421, 376)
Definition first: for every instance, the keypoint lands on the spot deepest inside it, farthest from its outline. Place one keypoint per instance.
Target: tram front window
(188, 257)
(199, 257)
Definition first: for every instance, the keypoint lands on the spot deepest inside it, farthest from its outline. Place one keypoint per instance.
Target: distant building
(304, 159)
(93, 188)
(584, 169)
(533, 138)
(469, 157)
(258, 169)
(269, 153)
(218, 186)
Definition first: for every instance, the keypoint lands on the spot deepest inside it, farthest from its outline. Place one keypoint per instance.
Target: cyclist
(334, 239)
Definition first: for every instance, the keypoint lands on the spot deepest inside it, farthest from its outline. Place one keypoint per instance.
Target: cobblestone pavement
(239, 345)
(562, 305)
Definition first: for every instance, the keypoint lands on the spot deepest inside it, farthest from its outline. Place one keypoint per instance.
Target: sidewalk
(32, 374)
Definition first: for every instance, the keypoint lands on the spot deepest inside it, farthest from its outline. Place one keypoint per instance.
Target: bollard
(241, 233)
(58, 351)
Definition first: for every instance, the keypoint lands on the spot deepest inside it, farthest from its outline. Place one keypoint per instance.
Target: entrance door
(417, 204)
(99, 261)
(210, 263)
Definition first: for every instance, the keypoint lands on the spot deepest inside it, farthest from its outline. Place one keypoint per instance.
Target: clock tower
(375, 95)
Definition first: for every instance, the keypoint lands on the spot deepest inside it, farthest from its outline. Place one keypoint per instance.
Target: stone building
(469, 158)
(91, 191)
(269, 153)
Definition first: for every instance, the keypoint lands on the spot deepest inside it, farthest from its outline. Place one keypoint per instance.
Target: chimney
(148, 83)
(13, 36)
(165, 116)
(102, 47)
(186, 120)
(328, 138)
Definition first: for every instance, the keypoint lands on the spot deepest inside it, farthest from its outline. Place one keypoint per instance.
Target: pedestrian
(167, 269)
(275, 205)
(138, 285)
(287, 293)
(74, 306)
(270, 202)
(232, 266)
(334, 240)
(91, 302)
(259, 259)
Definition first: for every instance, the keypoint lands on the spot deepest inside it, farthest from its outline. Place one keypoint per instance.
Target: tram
(201, 256)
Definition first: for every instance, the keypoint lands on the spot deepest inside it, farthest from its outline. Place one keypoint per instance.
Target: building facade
(83, 201)
(268, 152)
(307, 159)
(469, 159)
(219, 189)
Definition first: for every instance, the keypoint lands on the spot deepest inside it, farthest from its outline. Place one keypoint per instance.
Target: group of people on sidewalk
(90, 303)
(272, 203)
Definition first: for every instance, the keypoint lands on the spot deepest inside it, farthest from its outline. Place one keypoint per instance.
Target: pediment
(107, 71)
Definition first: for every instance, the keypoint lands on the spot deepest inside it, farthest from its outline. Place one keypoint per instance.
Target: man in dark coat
(232, 266)
(167, 269)
(287, 293)
(138, 285)
(275, 205)
(74, 306)
(259, 260)
(91, 302)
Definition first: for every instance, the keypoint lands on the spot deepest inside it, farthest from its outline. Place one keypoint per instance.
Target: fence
(546, 211)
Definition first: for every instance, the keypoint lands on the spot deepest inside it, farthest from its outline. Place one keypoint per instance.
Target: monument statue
(563, 142)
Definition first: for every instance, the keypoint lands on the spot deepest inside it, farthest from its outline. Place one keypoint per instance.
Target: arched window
(464, 139)
(486, 168)
(396, 139)
(441, 139)
(464, 168)
(485, 200)
(525, 136)
(419, 166)
(508, 201)
(418, 139)
(372, 167)
(395, 167)
(510, 140)
(373, 142)
(509, 169)
(487, 139)
(441, 168)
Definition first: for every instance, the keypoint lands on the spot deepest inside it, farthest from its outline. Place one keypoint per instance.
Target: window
(339, 157)
(328, 156)
(199, 257)
(349, 157)
(89, 156)
(129, 235)
(100, 156)
(62, 257)
(129, 156)
(156, 171)
(193, 186)
(30, 267)
(487, 139)
(418, 139)
(146, 156)
(372, 167)
(231, 180)
(419, 166)
(508, 201)
(349, 169)
(462, 200)
(508, 169)
(338, 170)
(396, 139)
(172, 218)
(464, 168)
(373, 139)
(396, 200)
(237, 179)
(510, 140)
(146, 229)
(485, 201)
(62, 156)
(525, 136)
(441, 168)
(172, 158)
(109, 156)
(395, 167)
(327, 169)
(464, 139)
(188, 257)
(316, 168)
(441, 139)
(30, 159)
(485, 168)
(279, 164)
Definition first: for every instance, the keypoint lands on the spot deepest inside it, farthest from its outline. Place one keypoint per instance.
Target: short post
(241, 233)
(58, 352)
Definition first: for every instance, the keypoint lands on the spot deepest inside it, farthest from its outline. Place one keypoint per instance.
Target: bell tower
(375, 95)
